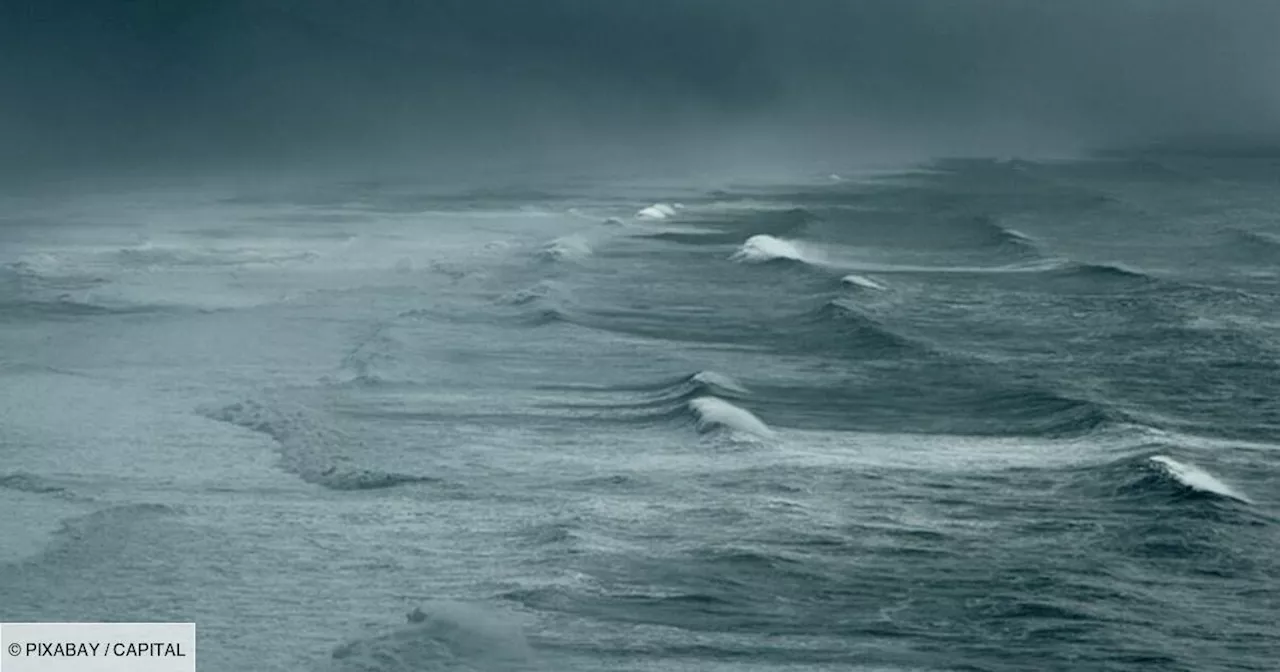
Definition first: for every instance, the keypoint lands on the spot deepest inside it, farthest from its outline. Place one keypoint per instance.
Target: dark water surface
(985, 415)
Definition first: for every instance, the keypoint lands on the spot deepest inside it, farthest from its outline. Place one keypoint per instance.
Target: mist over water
(403, 85)
(668, 335)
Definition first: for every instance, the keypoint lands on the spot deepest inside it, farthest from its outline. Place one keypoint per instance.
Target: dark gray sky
(109, 84)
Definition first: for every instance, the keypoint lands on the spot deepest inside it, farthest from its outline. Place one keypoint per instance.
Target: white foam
(761, 248)
(713, 413)
(1196, 478)
(656, 211)
(862, 281)
(568, 247)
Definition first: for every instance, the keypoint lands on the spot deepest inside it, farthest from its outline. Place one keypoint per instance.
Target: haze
(146, 86)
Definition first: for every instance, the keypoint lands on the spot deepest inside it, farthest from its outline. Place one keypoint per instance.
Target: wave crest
(657, 212)
(715, 413)
(765, 248)
(1194, 478)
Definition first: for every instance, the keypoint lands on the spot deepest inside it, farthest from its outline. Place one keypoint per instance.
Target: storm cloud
(222, 83)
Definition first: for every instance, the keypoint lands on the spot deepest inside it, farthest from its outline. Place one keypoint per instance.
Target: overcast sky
(93, 84)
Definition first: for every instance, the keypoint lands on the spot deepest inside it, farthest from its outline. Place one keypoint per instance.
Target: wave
(763, 248)
(854, 328)
(68, 307)
(702, 397)
(1255, 245)
(990, 233)
(445, 636)
(540, 304)
(1048, 413)
(22, 481)
(1065, 269)
(726, 228)
(714, 413)
(657, 211)
(567, 248)
(862, 282)
(367, 361)
(315, 453)
(148, 256)
(1102, 271)
(1194, 478)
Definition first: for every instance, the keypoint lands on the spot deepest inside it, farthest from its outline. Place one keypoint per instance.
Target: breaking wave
(657, 211)
(702, 398)
(714, 413)
(763, 248)
(568, 248)
(1194, 479)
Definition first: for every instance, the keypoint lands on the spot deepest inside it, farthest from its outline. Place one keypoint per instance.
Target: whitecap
(1196, 478)
(656, 211)
(568, 247)
(761, 248)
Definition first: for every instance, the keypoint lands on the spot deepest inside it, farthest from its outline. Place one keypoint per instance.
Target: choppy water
(985, 415)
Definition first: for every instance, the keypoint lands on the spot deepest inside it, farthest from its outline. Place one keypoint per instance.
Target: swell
(21, 481)
(1254, 245)
(1048, 413)
(541, 304)
(937, 397)
(315, 453)
(985, 231)
(842, 324)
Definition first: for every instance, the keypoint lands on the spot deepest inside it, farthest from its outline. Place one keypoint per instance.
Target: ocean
(971, 414)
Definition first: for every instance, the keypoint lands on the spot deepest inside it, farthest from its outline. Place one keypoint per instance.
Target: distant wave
(1255, 244)
(22, 481)
(990, 233)
(1108, 274)
(315, 453)
(66, 307)
(720, 228)
(1100, 271)
(657, 211)
(151, 255)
